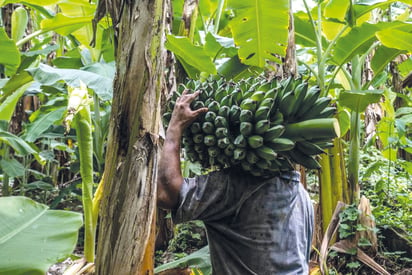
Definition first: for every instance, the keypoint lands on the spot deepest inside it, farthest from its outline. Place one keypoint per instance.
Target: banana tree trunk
(128, 203)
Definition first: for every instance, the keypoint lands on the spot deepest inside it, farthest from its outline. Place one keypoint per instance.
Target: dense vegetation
(57, 66)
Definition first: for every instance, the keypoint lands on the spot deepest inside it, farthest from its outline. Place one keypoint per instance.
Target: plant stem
(220, 6)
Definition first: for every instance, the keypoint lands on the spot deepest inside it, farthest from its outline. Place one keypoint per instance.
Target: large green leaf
(65, 25)
(12, 167)
(199, 260)
(8, 106)
(43, 123)
(260, 29)
(382, 57)
(9, 54)
(336, 9)
(101, 84)
(359, 39)
(396, 39)
(32, 237)
(18, 144)
(357, 101)
(193, 55)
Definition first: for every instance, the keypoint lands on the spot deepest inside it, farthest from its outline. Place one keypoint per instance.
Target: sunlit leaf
(336, 9)
(9, 54)
(233, 69)
(194, 56)
(8, 106)
(260, 29)
(386, 131)
(64, 25)
(358, 100)
(32, 237)
(396, 39)
(382, 57)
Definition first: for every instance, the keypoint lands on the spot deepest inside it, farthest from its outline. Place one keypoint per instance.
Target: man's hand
(182, 114)
(170, 178)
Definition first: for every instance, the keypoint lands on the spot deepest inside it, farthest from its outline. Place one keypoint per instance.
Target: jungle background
(84, 84)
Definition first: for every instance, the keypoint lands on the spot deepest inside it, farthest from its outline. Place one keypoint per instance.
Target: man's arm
(170, 179)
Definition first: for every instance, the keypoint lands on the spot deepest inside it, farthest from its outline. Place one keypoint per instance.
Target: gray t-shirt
(254, 225)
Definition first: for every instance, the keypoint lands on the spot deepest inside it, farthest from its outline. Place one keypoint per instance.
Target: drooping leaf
(343, 117)
(219, 45)
(365, 6)
(42, 123)
(8, 106)
(260, 29)
(233, 69)
(9, 54)
(386, 131)
(12, 167)
(194, 56)
(357, 101)
(32, 237)
(383, 55)
(18, 144)
(396, 39)
(100, 84)
(304, 32)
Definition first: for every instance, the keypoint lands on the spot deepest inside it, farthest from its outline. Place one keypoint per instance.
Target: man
(254, 225)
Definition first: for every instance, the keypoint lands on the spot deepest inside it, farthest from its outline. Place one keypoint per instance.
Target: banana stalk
(325, 183)
(79, 116)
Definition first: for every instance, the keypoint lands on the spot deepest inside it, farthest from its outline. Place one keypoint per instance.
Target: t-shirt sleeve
(208, 197)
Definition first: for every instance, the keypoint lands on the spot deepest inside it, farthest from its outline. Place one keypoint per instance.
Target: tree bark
(128, 203)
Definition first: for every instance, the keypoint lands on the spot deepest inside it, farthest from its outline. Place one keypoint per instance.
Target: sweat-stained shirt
(253, 225)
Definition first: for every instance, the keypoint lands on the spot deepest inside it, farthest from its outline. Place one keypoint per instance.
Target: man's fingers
(201, 110)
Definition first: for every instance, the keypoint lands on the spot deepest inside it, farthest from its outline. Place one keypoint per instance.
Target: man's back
(254, 226)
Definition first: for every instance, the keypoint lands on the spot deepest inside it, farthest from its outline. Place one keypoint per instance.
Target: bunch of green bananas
(259, 125)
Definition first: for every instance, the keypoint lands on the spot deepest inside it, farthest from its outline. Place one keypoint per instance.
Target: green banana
(246, 116)
(258, 96)
(319, 105)
(234, 113)
(221, 132)
(281, 144)
(224, 111)
(213, 152)
(214, 106)
(229, 150)
(221, 122)
(262, 113)
(240, 141)
(246, 128)
(327, 112)
(198, 138)
(255, 141)
(210, 116)
(209, 140)
(263, 164)
(251, 157)
(266, 153)
(222, 143)
(267, 102)
(273, 132)
(311, 96)
(208, 127)
(239, 153)
(303, 159)
(309, 148)
(249, 104)
(195, 128)
(261, 126)
(246, 166)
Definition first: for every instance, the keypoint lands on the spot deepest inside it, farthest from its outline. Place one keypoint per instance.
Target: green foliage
(34, 237)
(389, 187)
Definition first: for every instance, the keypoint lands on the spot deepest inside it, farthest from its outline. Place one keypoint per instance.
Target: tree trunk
(128, 203)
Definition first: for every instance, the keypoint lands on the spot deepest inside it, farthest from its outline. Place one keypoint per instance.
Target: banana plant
(260, 33)
(338, 32)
